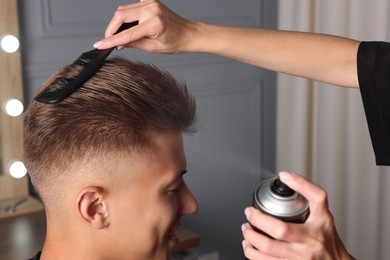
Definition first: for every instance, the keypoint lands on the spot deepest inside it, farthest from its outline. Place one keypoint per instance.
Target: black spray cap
(281, 189)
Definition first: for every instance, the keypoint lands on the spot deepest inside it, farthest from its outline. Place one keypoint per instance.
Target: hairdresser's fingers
(274, 227)
(296, 243)
(160, 30)
(151, 15)
(122, 15)
(260, 245)
(253, 253)
(127, 37)
(317, 197)
(320, 222)
(141, 12)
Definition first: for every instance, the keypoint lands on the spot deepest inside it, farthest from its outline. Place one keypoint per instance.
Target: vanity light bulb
(14, 107)
(17, 169)
(10, 43)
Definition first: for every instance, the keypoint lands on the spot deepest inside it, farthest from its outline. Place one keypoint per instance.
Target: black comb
(90, 62)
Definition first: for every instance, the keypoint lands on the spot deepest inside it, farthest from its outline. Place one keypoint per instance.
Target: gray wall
(234, 148)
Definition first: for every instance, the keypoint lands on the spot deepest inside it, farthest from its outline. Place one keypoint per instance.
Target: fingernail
(285, 176)
(244, 244)
(244, 227)
(97, 44)
(248, 212)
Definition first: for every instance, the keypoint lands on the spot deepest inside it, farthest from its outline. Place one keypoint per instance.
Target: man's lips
(174, 230)
(173, 235)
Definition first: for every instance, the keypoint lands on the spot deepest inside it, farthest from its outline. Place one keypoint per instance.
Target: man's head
(108, 160)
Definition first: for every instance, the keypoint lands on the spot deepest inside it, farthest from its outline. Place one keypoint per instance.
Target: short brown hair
(113, 111)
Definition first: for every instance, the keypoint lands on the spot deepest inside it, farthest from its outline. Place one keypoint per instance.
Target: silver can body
(287, 206)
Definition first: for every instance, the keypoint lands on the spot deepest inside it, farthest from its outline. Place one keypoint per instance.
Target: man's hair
(112, 112)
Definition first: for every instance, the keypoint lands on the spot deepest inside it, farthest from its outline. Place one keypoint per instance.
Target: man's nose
(188, 203)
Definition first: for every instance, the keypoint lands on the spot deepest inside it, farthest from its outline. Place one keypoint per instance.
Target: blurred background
(253, 122)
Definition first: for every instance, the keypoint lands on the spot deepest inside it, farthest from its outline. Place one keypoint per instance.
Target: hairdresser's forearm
(325, 58)
(320, 57)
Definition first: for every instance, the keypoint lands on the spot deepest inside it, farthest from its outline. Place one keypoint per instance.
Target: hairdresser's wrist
(193, 37)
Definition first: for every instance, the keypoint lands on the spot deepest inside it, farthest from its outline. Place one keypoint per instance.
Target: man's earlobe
(92, 207)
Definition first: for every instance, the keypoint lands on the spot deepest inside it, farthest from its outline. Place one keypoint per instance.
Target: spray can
(276, 199)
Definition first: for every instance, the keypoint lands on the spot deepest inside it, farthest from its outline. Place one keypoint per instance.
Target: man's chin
(173, 240)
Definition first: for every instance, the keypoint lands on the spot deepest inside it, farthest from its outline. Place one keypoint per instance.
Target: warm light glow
(13, 107)
(10, 43)
(17, 169)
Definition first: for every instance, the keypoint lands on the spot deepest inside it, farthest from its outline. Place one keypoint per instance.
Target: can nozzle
(281, 189)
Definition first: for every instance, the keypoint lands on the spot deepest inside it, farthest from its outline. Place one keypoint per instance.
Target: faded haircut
(112, 112)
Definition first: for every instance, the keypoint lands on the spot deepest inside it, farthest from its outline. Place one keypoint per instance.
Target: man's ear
(92, 206)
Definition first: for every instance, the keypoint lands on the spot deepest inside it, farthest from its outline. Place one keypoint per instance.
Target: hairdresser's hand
(317, 238)
(159, 29)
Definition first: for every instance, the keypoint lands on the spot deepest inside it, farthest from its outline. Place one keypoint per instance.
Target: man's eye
(174, 191)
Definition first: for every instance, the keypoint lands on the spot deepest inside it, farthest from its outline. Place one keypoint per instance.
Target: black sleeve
(373, 61)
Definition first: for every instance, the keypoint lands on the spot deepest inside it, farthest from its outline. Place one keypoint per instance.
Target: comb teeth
(89, 61)
(61, 88)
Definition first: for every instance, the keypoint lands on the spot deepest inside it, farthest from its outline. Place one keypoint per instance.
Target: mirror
(13, 189)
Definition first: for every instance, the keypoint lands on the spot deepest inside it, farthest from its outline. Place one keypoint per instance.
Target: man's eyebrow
(177, 178)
